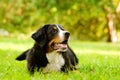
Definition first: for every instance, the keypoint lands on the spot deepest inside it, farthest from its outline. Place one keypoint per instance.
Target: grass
(97, 61)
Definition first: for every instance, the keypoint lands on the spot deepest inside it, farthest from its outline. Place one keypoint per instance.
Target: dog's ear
(40, 36)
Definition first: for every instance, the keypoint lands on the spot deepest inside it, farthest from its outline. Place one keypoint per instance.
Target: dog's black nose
(67, 34)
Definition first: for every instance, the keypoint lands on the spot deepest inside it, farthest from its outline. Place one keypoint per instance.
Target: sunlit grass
(97, 61)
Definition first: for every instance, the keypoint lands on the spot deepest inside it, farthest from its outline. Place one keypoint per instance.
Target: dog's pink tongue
(63, 46)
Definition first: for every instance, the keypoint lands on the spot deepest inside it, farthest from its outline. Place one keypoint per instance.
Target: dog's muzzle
(61, 46)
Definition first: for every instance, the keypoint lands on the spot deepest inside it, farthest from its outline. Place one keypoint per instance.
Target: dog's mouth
(59, 46)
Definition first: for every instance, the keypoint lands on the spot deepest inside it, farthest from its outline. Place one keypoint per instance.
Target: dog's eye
(55, 30)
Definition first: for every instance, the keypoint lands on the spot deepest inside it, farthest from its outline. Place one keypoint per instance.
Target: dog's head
(53, 36)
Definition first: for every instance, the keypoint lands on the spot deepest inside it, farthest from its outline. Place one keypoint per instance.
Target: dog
(51, 51)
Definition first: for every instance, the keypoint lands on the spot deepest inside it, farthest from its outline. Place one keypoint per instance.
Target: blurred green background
(85, 19)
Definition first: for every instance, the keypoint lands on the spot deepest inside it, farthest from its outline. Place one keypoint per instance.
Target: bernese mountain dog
(51, 51)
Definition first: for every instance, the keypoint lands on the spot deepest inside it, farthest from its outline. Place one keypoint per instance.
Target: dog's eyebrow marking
(54, 27)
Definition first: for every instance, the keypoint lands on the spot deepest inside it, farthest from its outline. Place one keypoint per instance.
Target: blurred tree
(110, 17)
(112, 37)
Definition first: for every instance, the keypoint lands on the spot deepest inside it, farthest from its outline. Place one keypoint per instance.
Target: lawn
(97, 61)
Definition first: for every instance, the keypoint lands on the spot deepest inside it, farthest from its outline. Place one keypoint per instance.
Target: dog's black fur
(36, 56)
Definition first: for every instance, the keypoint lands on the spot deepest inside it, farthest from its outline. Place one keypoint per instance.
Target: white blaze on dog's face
(62, 34)
(59, 41)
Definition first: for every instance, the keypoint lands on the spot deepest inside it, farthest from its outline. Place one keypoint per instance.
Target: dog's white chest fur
(56, 61)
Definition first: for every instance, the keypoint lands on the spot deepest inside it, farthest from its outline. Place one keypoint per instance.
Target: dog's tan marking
(55, 40)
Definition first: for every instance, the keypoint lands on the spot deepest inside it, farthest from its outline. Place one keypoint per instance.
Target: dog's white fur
(55, 62)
